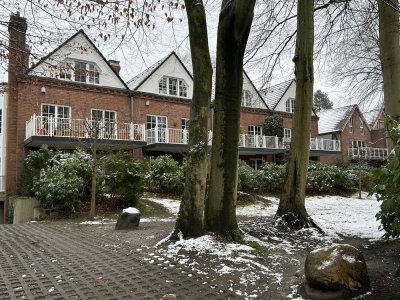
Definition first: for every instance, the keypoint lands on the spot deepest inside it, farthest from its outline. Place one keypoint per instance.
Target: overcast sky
(147, 46)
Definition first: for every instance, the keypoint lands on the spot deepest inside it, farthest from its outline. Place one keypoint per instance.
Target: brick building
(74, 95)
(349, 125)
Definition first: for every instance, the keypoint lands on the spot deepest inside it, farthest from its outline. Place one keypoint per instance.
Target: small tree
(321, 101)
(273, 126)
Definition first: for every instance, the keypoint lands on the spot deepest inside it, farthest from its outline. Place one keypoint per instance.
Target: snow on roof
(274, 94)
(372, 115)
(136, 81)
(332, 120)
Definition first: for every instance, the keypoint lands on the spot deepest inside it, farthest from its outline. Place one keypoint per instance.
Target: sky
(145, 47)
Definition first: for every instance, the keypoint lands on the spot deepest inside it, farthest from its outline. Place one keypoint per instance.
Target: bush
(327, 178)
(33, 163)
(124, 177)
(165, 175)
(272, 177)
(65, 181)
(387, 184)
(248, 178)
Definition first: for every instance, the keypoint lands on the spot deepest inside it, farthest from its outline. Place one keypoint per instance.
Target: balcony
(368, 153)
(65, 133)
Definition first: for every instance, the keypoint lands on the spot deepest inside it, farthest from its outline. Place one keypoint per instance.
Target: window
(156, 129)
(290, 105)
(103, 123)
(287, 133)
(256, 163)
(246, 98)
(362, 127)
(254, 130)
(358, 144)
(185, 123)
(172, 86)
(81, 71)
(56, 116)
(351, 125)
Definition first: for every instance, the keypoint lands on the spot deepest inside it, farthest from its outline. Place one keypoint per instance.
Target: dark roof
(139, 79)
(274, 94)
(81, 31)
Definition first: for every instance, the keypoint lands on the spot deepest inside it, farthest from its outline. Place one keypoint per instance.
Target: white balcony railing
(83, 128)
(368, 153)
(324, 144)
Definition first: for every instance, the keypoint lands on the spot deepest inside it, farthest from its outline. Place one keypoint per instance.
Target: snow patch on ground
(171, 205)
(98, 222)
(259, 209)
(131, 210)
(153, 219)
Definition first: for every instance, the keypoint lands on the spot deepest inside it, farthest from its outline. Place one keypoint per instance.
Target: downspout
(132, 112)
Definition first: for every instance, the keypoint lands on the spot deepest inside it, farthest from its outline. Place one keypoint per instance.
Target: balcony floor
(73, 143)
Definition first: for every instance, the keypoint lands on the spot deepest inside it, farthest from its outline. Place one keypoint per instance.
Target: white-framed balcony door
(157, 129)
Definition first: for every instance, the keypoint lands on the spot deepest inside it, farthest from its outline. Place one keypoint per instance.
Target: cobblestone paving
(39, 261)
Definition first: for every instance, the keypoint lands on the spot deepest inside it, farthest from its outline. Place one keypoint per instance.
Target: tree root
(295, 222)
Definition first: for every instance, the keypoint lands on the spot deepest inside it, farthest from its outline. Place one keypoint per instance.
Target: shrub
(124, 177)
(65, 181)
(387, 184)
(272, 177)
(165, 175)
(249, 179)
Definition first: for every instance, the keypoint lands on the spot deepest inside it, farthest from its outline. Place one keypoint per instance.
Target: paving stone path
(40, 261)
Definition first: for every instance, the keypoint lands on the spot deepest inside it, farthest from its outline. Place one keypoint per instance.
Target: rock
(169, 296)
(129, 219)
(339, 269)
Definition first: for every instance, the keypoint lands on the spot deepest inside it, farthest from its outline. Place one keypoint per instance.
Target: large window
(246, 98)
(287, 133)
(362, 129)
(351, 125)
(103, 123)
(358, 144)
(80, 71)
(254, 130)
(290, 105)
(172, 86)
(156, 129)
(256, 163)
(185, 123)
(56, 116)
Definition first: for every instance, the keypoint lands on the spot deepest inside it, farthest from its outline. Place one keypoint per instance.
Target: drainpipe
(132, 113)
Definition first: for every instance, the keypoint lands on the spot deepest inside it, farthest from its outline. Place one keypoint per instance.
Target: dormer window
(246, 98)
(79, 71)
(172, 87)
(290, 105)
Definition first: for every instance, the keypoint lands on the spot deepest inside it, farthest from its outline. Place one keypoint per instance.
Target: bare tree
(291, 211)
(191, 211)
(235, 20)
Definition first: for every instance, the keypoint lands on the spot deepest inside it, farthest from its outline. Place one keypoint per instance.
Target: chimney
(115, 65)
(18, 54)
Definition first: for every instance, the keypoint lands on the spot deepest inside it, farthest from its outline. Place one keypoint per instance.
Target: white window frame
(254, 130)
(247, 98)
(173, 86)
(185, 123)
(59, 122)
(362, 128)
(109, 129)
(358, 144)
(351, 125)
(160, 134)
(92, 72)
(290, 105)
(287, 133)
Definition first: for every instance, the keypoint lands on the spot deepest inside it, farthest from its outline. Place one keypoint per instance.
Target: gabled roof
(274, 94)
(372, 116)
(82, 32)
(335, 119)
(139, 79)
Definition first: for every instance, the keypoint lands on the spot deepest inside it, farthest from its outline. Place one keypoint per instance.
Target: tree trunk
(233, 30)
(190, 219)
(94, 181)
(390, 56)
(291, 210)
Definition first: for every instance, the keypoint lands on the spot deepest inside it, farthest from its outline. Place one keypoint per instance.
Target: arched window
(172, 86)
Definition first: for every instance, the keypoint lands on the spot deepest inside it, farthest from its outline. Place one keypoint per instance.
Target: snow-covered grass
(171, 205)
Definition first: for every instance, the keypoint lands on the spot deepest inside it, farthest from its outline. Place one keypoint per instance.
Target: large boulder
(129, 219)
(337, 270)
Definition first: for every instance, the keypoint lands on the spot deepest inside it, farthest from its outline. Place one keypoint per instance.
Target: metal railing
(368, 153)
(324, 144)
(83, 128)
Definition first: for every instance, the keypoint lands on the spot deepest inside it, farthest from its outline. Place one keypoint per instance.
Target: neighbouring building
(348, 125)
(376, 120)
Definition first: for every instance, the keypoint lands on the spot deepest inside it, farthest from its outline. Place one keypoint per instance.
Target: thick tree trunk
(389, 31)
(190, 219)
(291, 208)
(233, 30)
